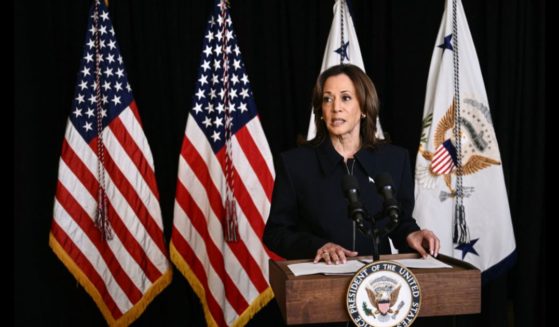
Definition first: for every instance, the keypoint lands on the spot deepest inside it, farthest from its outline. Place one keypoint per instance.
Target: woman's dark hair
(366, 95)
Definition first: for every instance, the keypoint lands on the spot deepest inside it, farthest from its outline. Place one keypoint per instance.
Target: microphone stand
(373, 234)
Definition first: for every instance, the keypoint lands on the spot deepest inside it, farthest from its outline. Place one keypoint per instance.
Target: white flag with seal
(342, 47)
(460, 191)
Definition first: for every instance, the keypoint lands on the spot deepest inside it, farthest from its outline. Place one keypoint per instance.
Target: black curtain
(282, 43)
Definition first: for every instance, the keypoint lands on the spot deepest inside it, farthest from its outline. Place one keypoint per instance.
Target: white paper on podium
(352, 266)
(427, 263)
(309, 268)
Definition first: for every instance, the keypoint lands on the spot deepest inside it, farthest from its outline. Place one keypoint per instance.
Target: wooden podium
(321, 299)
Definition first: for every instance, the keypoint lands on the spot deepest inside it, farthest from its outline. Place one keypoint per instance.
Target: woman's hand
(333, 253)
(424, 239)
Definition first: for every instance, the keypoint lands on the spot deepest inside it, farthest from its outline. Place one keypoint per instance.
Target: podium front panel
(321, 299)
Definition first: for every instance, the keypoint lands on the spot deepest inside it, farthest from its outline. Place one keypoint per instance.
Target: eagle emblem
(477, 142)
(383, 296)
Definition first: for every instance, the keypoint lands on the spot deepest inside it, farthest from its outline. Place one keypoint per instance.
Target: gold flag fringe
(132, 314)
(257, 304)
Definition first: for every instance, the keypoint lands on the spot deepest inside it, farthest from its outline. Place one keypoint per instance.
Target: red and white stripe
(118, 272)
(228, 277)
(442, 161)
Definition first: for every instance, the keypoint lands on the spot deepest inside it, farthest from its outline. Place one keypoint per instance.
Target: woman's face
(340, 108)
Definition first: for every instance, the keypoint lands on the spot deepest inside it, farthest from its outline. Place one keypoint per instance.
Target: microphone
(351, 191)
(385, 189)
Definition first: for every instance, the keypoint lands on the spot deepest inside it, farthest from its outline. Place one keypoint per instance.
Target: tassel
(461, 233)
(102, 219)
(230, 219)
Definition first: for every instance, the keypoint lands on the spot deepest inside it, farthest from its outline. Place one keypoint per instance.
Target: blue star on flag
(342, 51)
(447, 43)
(467, 247)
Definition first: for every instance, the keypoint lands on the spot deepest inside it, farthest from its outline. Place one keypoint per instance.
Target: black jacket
(309, 208)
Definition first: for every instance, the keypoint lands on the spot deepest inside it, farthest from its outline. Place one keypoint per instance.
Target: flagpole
(460, 234)
(342, 30)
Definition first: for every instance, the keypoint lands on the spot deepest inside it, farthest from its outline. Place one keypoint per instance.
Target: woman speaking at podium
(309, 212)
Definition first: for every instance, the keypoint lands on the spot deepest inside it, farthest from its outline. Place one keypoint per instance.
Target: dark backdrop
(282, 43)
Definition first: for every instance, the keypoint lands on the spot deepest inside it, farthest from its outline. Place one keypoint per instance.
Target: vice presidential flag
(460, 190)
(342, 47)
(107, 227)
(224, 187)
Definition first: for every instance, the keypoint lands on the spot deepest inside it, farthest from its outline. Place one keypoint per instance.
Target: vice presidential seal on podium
(383, 293)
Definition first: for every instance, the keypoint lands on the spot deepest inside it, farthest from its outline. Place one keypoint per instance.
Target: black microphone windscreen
(349, 182)
(383, 180)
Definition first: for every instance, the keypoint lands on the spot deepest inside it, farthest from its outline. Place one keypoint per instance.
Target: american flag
(444, 158)
(107, 227)
(224, 187)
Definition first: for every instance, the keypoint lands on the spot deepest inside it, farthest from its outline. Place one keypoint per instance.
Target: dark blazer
(309, 208)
